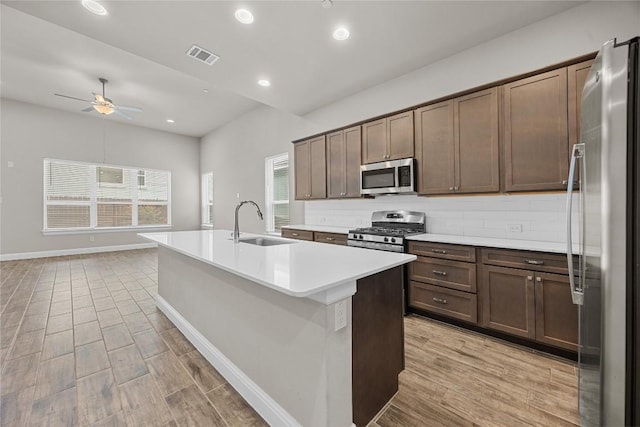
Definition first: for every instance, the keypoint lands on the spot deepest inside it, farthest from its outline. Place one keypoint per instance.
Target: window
(80, 196)
(207, 199)
(277, 192)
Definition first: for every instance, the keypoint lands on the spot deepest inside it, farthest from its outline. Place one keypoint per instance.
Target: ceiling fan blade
(88, 110)
(72, 97)
(120, 113)
(128, 108)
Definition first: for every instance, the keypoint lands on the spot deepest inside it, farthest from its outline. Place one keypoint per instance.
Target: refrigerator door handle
(577, 295)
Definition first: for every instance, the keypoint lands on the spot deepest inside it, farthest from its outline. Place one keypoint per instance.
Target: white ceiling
(52, 47)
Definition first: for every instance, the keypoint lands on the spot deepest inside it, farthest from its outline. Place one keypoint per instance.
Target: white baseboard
(77, 251)
(269, 409)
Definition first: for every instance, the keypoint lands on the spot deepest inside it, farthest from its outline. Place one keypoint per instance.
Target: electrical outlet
(341, 315)
(514, 228)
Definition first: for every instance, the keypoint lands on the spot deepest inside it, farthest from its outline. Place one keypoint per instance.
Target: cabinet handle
(440, 273)
(330, 239)
(538, 279)
(534, 262)
(438, 251)
(450, 188)
(529, 277)
(455, 188)
(440, 300)
(295, 234)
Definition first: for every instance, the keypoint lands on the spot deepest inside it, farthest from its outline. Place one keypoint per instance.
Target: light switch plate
(514, 228)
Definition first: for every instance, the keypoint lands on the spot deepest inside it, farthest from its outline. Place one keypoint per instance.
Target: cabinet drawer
(292, 233)
(441, 272)
(536, 261)
(443, 250)
(447, 302)
(334, 238)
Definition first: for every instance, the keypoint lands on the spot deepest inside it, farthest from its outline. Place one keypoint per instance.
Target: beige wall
(266, 131)
(31, 133)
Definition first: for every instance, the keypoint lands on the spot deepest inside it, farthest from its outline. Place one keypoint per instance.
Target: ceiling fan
(104, 105)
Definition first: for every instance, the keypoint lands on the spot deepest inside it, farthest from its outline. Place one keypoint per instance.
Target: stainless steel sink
(262, 241)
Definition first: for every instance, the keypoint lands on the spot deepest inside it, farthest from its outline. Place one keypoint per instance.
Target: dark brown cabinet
(293, 233)
(389, 138)
(310, 169)
(457, 145)
(527, 294)
(508, 301)
(536, 154)
(443, 280)
(556, 315)
(332, 238)
(343, 163)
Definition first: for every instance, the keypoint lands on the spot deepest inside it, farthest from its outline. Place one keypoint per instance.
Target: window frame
(93, 202)
(204, 204)
(269, 202)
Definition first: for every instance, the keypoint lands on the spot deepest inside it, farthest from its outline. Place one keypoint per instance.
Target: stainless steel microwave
(392, 177)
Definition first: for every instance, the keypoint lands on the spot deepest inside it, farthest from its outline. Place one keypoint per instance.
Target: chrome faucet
(236, 229)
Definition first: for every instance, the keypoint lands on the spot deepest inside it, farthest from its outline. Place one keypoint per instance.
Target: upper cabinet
(343, 163)
(389, 138)
(576, 77)
(457, 145)
(310, 169)
(536, 150)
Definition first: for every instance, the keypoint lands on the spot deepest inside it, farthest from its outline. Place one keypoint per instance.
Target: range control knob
(386, 239)
(360, 237)
(393, 240)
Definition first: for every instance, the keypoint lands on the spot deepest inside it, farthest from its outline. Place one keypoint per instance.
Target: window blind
(90, 196)
(207, 198)
(277, 191)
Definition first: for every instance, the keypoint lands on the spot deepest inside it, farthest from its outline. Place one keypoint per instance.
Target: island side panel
(287, 346)
(378, 342)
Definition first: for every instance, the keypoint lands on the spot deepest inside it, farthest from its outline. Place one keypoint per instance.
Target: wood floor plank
(91, 358)
(177, 342)
(116, 336)
(58, 409)
(105, 303)
(137, 322)
(27, 343)
(150, 343)
(86, 333)
(168, 373)
(55, 375)
(62, 322)
(33, 322)
(235, 410)
(127, 364)
(190, 407)
(15, 407)
(142, 401)
(57, 344)
(109, 317)
(98, 397)
(201, 371)
(19, 374)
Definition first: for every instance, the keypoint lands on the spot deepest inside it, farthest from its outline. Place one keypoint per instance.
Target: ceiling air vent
(202, 55)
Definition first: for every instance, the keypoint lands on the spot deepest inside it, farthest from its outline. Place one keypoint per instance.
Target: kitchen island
(308, 333)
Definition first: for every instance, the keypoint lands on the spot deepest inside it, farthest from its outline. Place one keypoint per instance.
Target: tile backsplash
(524, 217)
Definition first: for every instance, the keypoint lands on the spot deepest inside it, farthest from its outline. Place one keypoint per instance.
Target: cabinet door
(576, 77)
(318, 162)
(374, 141)
(476, 142)
(302, 170)
(536, 133)
(336, 164)
(353, 147)
(556, 315)
(435, 148)
(508, 300)
(400, 136)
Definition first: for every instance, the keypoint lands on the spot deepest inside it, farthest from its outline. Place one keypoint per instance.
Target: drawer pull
(440, 273)
(295, 234)
(440, 300)
(330, 239)
(438, 251)
(534, 262)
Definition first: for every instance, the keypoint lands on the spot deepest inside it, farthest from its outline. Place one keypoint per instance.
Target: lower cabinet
(292, 233)
(520, 293)
(314, 236)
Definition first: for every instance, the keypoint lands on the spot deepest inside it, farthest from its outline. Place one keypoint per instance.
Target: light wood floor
(82, 343)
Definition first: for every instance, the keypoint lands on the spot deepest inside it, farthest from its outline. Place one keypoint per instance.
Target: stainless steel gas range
(388, 230)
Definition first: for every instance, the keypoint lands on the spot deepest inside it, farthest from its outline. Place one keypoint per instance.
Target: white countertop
(298, 269)
(321, 228)
(525, 245)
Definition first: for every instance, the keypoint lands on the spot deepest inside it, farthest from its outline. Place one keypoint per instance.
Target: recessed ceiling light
(244, 16)
(205, 90)
(327, 4)
(171, 121)
(94, 7)
(264, 83)
(341, 34)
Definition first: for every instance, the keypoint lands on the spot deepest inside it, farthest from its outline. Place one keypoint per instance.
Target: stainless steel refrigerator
(605, 274)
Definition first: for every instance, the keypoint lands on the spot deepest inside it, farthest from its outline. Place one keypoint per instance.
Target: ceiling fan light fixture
(341, 34)
(103, 109)
(94, 7)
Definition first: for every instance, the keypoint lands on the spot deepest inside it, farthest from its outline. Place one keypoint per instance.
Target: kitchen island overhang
(275, 320)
